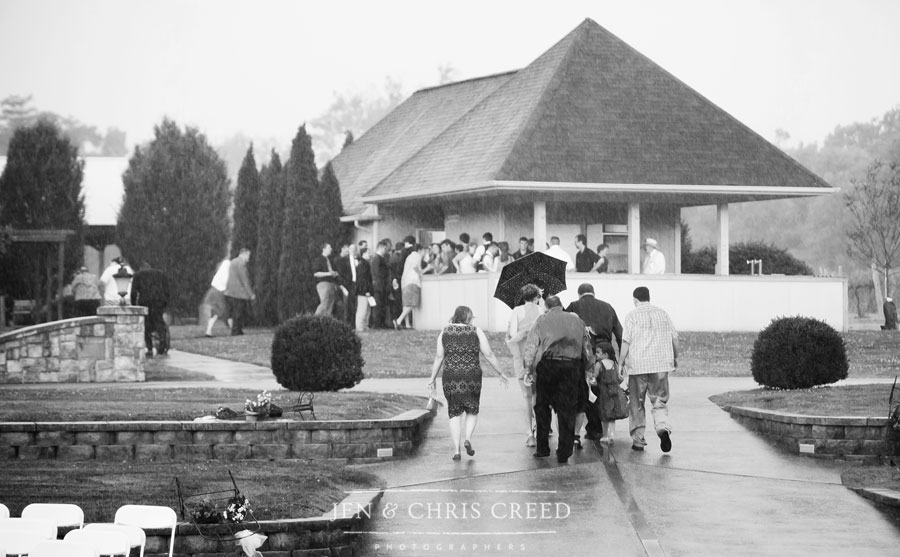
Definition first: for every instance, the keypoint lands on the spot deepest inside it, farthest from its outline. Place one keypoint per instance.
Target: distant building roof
(102, 188)
(591, 113)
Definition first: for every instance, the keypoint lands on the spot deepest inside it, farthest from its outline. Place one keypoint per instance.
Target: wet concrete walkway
(721, 491)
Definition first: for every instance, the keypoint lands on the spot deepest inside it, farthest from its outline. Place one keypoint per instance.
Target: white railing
(695, 302)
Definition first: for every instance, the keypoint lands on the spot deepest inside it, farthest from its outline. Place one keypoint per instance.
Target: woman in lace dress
(458, 348)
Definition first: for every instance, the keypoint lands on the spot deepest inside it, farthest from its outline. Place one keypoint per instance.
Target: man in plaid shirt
(649, 353)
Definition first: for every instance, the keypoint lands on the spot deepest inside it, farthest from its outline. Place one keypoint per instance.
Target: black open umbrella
(545, 271)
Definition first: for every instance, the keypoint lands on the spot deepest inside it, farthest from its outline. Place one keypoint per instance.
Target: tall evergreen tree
(40, 188)
(246, 207)
(268, 247)
(329, 210)
(296, 289)
(175, 211)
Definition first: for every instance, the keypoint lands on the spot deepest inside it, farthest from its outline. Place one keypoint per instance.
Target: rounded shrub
(316, 353)
(798, 353)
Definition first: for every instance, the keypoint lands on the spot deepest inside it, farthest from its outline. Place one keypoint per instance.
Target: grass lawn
(410, 353)
(128, 403)
(847, 400)
(279, 489)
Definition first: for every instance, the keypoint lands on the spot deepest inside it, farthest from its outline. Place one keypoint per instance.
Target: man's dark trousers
(557, 385)
(381, 313)
(156, 323)
(238, 309)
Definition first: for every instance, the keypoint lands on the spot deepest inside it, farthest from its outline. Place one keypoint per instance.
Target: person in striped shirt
(649, 353)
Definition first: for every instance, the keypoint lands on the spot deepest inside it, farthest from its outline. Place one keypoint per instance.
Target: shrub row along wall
(325, 536)
(351, 441)
(827, 437)
(107, 347)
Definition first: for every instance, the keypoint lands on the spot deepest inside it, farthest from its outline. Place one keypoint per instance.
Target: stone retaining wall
(106, 347)
(346, 441)
(850, 438)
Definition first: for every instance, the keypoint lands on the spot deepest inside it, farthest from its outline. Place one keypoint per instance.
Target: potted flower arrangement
(259, 408)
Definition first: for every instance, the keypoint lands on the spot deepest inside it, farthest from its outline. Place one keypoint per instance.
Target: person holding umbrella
(458, 348)
(521, 321)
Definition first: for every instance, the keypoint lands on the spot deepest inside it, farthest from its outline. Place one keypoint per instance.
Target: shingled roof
(590, 114)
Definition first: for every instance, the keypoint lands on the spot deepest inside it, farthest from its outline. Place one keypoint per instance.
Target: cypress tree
(246, 208)
(41, 187)
(329, 210)
(296, 288)
(175, 211)
(268, 247)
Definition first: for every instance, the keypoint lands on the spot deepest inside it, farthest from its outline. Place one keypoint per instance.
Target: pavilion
(592, 137)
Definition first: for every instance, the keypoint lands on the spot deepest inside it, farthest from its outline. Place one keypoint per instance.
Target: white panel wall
(695, 302)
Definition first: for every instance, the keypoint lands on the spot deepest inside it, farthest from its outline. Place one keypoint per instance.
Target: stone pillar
(125, 349)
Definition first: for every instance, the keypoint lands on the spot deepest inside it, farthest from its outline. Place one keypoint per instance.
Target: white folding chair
(4, 512)
(136, 536)
(19, 535)
(149, 516)
(61, 548)
(104, 542)
(44, 528)
(62, 514)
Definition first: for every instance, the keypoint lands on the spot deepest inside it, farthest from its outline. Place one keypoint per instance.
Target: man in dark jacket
(150, 288)
(381, 285)
(557, 354)
(603, 324)
(345, 266)
(890, 315)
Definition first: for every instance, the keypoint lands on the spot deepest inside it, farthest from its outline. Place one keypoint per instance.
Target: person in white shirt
(108, 283)
(654, 262)
(486, 240)
(411, 286)
(215, 297)
(463, 261)
(555, 250)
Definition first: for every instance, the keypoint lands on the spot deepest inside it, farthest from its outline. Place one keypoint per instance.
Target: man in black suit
(363, 290)
(603, 324)
(381, 285)
(150, 288)
(347, 278)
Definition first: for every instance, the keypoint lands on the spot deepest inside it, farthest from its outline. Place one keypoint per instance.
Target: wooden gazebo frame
(46, 236)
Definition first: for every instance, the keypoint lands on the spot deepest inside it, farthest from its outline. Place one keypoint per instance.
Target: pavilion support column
(722, 247)
(540, 225)
(678, 244)
(634, 238)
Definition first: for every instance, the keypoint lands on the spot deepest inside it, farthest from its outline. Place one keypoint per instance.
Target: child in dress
(613, 403)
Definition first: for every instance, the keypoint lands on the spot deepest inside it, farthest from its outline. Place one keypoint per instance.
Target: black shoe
(592, 436)
(577, 443)
(469, 450)
(637, 447)
(665, 442)
(562, 460)
(541, 454)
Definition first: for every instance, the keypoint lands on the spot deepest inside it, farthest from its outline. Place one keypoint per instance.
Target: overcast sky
(263, 67)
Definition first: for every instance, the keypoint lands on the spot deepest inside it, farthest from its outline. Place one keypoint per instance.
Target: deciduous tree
(873, 206)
